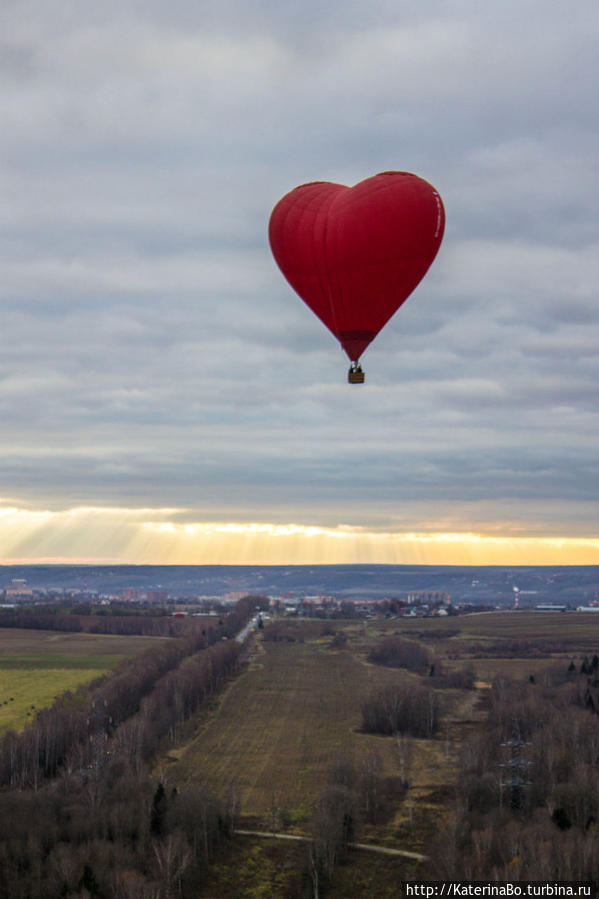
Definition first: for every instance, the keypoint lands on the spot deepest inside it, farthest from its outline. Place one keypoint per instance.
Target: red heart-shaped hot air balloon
(354, 254)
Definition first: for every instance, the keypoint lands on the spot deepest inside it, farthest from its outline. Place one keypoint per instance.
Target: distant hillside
(576, 584)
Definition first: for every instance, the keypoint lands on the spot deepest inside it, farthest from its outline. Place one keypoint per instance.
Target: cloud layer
(153, 356)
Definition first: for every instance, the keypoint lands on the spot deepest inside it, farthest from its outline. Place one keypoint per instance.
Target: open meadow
(37, 665)
(281, 725)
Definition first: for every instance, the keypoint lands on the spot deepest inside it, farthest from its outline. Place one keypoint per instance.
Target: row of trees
(62, 734)
(66, 621)
(518, 648)
(100, 828)
(63, 730)
(175, 697)
(153, 622)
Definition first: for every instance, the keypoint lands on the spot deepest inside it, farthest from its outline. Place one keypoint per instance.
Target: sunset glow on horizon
(153, 536)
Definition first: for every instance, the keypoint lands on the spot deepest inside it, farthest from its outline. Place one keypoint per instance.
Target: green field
(37, 666)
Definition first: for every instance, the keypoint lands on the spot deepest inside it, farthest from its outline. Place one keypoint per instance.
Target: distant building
(549, 607)
(157, 596)
(18, 589)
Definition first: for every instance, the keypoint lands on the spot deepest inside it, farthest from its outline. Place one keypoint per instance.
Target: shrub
(397, 652)
(399, 708)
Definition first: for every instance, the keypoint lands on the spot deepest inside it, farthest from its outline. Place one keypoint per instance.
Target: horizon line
(107, 563)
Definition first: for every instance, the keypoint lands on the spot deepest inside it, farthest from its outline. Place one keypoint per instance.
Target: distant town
(314, 591)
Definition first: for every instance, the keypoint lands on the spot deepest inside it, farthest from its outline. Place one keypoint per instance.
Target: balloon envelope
(355, 254)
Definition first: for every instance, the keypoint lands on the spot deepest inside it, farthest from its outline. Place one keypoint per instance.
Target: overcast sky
(165, 396)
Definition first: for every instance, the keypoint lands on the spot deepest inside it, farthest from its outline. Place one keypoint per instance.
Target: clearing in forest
(283, 723)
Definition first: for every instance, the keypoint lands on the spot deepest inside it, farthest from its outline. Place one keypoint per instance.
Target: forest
(81, 813)
(527, 807)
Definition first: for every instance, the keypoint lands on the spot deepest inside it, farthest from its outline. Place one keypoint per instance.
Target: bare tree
(172, 858)
(404, 747)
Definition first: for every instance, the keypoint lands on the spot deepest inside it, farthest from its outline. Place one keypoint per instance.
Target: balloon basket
(355, 376)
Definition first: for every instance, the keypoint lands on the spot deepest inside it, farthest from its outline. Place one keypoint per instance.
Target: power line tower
(516, 768)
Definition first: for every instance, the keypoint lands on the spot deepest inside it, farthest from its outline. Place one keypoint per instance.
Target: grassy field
(273, 737)
(576, 629)
(36, 666)
(281, 725)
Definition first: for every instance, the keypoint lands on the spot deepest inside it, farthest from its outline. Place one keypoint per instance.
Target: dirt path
(367, 847)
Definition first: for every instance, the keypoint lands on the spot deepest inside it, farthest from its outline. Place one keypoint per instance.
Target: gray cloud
(152, 353)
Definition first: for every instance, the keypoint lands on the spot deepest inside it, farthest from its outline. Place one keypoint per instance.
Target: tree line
(62, 730)
(79, 813)
(66, 620)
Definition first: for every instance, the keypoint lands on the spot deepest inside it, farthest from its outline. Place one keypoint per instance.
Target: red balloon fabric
(354, 254)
